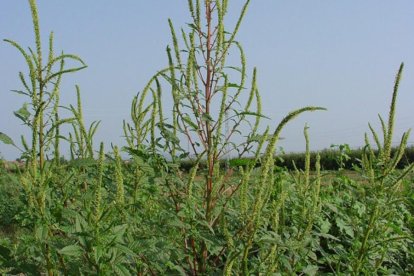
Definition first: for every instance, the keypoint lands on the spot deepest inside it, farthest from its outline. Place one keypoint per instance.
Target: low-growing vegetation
(97, 214)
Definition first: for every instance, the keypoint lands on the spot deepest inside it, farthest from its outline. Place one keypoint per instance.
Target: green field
(169, 209)
(313, 228)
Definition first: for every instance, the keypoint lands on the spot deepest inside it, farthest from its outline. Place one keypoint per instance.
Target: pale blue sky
(342, 55)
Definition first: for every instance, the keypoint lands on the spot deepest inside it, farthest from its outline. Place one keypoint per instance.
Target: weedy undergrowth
(145, 216)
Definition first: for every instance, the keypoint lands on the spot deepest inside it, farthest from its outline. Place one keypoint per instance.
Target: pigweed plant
(146, 216)
(205, 99)
(380, 223)
(41, 115)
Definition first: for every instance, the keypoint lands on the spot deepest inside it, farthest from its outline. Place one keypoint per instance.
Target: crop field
(177, 208)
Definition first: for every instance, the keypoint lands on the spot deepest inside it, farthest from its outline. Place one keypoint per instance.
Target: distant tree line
(331, 159)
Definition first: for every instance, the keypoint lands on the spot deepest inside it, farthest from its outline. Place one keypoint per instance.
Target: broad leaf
(23, 113)
(6, 139)
(71, 250)
(193, 125)
(310, 270)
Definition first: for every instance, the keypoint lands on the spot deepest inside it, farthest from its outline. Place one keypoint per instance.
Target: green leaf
(206, 118)
(177, 268)
(332, 207)
(340, 223)
(238, 69)
(310, 270)
(325, 226)
(184, 155)
(234, 85)
(343, 227)
(72, 70)
(193, 125)
(119, 231)
(23, 113)
(71, 250)
(41, 232)
(121, 270)
(20, 92)
(192, 26)
(126, 250)
(6, 139)
(169, 135)
(327, 236)
(252, 114)
(179, 224)
(97, 253)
